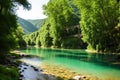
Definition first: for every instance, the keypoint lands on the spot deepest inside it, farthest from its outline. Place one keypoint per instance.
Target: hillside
(37, 23)
(27, 26)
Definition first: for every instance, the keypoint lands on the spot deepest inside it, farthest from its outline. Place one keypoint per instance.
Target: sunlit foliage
(99, 24)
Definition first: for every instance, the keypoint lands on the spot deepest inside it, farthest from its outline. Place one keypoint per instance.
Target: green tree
(61, 16)
(8, 23)
(19, 33)
(99, 24)
(45, 39)
(38, 43)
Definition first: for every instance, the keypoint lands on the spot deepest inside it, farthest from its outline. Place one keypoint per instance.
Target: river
(80, 61)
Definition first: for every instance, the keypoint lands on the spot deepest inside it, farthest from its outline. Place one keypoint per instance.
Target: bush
(8, 73)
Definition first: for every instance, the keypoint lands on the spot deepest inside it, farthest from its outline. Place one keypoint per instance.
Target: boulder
(77, 78)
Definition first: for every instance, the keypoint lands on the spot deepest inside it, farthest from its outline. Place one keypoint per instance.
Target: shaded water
(99, 65)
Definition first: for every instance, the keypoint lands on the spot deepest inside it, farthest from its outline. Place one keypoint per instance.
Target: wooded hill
(37, 22)
(30, 26)
(99, 25)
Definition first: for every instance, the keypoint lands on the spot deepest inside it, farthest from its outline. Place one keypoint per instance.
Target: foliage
(8, 73)
(38, 43)
(61, 28)
(99, 24)
(8, 23)
(31, 38)
(73, 43)
(19, 37)
(61, 16)
(45, 39)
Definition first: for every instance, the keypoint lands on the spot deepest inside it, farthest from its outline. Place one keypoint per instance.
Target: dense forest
(70, 24)
(10, 37)
(9, 26)
(81, 24)
(92, 24)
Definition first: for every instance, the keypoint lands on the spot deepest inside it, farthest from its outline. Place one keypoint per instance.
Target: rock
(20, 71)
(32, 66)
(20, 66)
(27, 65)
(77, 78)
(83, 76)
(35, 69)
(21, 75)
(20, 79)
(41, 70)
(24, 68)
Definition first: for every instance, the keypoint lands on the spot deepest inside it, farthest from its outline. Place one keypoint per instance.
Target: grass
(9, 72)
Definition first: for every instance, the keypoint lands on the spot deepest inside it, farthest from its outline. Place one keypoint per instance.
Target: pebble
(76, 77)
(35, 69)
(79, 77)
(21, 75)
(25, 68)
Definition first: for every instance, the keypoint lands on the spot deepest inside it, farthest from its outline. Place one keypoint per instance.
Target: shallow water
(80, 61)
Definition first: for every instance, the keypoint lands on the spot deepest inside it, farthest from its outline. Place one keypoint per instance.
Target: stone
(25, 68)
(35, 69)
(20, 78)
(41, 70)
(21, 75)
(22, 71)
(32, 66)
(83, 76)
(77, 78)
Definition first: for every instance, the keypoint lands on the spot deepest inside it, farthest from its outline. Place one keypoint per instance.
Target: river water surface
(80, 61)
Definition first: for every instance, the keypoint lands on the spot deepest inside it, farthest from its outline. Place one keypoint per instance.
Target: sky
(35, 13)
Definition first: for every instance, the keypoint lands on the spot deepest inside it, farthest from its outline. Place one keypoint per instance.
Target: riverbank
(8, 72)
(62, 73)
(9, 67)
(56, 72)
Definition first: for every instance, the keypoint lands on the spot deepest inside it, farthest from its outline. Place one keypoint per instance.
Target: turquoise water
(80, 61)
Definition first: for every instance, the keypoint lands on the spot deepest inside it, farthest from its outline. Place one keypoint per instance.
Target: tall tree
(8, 23)
(61, 16)
(99, 24)
(18, 34)
(45, 39)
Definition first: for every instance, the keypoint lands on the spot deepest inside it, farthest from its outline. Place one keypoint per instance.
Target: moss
(8, 73)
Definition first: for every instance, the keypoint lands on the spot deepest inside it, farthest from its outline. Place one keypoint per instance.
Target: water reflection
(81, 61)
(82, 55)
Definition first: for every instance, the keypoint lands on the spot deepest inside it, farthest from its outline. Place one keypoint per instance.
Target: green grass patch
(8, 73)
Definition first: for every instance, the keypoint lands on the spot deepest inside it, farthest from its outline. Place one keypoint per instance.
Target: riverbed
(79, 61)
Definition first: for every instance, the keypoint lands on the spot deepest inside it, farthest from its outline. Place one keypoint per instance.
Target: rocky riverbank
(61, 73)
(29, 70)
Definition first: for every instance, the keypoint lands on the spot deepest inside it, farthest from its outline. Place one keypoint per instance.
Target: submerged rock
(77, 78)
